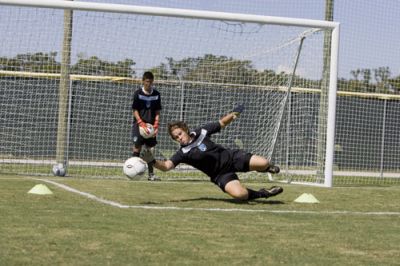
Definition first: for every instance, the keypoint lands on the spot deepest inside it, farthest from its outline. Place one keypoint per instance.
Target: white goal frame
(196, 14)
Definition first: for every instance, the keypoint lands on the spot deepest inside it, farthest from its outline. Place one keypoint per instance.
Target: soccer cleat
(153, 177)
(272, 191)
(273, 169)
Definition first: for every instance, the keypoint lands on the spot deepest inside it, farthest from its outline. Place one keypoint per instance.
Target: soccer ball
(59, 170)
(134, 166)
(146, 135)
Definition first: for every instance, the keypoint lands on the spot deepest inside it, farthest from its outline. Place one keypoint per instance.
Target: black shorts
(139, 141)
(224, 179)
(240, 163)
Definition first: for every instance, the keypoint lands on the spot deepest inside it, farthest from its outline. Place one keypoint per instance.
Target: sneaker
(273, 169)
(272, 191)
(153, 177)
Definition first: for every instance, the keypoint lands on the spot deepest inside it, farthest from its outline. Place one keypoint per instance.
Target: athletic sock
(273, 169)
(151, 168)
(254, 194)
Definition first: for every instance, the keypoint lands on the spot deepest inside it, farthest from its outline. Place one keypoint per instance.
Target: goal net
(67, 77)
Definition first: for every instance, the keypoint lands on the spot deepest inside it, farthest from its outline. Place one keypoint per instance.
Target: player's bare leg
(261, 164)
(236, 190)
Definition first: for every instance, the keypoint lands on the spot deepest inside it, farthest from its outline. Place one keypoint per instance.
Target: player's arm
(158, 111)
(163, 165)
(156, 121)
(136, 115)
(136, 107)
(227, 119)
(159, 164)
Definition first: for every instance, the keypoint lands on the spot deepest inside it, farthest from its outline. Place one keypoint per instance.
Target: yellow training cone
(40, 190)
(306, 198)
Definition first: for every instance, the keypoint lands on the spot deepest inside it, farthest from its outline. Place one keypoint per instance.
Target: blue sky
(370, 29)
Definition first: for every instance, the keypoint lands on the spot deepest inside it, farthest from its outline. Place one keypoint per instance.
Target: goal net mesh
(203, 68)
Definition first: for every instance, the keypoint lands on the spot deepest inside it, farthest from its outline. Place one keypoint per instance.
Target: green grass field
(121, 222)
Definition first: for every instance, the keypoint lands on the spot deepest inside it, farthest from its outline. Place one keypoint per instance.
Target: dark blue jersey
(147, 105)
(203, 154)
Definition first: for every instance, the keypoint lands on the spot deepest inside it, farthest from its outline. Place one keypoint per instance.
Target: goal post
(204, 62)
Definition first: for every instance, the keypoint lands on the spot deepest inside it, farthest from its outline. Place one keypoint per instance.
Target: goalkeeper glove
(143, 125)
(238, 109)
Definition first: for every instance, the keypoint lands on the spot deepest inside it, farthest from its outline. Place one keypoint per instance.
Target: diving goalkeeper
(219, 163)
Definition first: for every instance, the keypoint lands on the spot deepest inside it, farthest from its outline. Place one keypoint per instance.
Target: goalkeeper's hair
(177, 124)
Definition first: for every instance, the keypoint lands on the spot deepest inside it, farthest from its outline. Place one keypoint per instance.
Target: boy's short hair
(148, 75)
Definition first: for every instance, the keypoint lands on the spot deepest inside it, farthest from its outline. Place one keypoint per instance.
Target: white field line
(123, 206)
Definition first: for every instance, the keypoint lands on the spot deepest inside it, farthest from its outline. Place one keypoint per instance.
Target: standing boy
(146, 108)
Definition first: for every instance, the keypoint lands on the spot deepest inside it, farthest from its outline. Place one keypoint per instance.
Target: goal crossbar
(171, 12)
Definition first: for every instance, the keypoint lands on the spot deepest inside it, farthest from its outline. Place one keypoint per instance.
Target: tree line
(208, 67)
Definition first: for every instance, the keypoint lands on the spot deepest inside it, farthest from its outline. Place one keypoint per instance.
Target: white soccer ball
(134, 167)
(59, 170)
(146, 135)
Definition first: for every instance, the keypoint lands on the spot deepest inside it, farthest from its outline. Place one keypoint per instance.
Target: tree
(96, 66)
(355, 73)
(35, 62)
(383, 83)
(220, 69)
(47, 63)
(394, 85)
(382, 75)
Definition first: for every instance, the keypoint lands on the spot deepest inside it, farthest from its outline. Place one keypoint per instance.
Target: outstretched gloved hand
(238, 109)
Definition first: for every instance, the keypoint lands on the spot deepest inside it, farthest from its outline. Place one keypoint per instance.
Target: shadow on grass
(234, 201)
